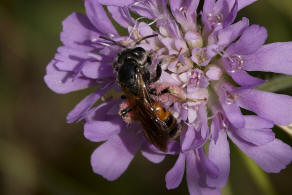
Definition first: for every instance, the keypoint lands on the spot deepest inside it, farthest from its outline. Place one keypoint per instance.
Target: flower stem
(277, 84)
(261, 179)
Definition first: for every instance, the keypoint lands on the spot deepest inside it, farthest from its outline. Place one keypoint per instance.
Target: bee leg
(125, 111)
(153, 91)
(115, 67)
(158, 73)
(164, 91)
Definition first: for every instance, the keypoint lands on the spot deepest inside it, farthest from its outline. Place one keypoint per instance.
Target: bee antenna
(146, 37)
(114, 42)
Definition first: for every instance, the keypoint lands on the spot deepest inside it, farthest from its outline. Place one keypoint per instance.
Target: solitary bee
(134, 78)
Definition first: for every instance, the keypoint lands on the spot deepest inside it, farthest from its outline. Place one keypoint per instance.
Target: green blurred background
(41, 154)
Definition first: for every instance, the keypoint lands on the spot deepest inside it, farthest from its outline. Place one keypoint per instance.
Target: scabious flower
(205, 59)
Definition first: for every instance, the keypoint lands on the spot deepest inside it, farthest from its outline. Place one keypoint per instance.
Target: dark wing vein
(155, 130)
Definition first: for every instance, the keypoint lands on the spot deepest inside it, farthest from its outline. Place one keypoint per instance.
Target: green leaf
(276, 84)
(261, 179)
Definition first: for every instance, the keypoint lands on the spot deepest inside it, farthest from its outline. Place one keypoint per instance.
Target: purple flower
(205, 67)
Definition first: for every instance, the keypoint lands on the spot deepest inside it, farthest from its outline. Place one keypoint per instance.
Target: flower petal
(175, 175)
(112, 158)
(97, 70)
(215, 128)
(207, 165)
(219, 154)
(243, 3)
(274, 57)
(256, 136)
(208, 6)
(121, 15)
(151, 155)
(244, 79)
(173, 148)
(103, 130)
(255, 122)
(84, 106)
(104, 111)
(188, 138)
(230, 106)
(250, 41)
(229, 34)
(271, 157)
(98, 17)
(192, 174)
(70, 59)
(231, 15)
(65, 82)
(77, 32)
(274, 107)
(116, 2)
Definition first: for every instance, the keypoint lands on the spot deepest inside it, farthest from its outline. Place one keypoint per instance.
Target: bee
(134, 78)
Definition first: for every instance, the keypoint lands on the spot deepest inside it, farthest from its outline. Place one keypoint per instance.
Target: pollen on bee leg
(168, 92)
(129, 116)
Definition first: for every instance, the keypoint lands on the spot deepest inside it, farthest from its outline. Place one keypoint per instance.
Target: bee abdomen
(174, 127)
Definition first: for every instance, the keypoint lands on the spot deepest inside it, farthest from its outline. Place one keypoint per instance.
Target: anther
(215, 19)
(235, 63)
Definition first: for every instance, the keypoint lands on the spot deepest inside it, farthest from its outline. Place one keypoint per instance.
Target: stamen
(215, 19)
(201, 56)
(136, 25)
(111, 35)
(104, 44)
(222, 121)
(195, 78)
(230, 98)
(183, 9)
(236, 63)
(95, 56)
(235, 60)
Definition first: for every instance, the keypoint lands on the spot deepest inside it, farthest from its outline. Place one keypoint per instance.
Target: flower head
(205, 59)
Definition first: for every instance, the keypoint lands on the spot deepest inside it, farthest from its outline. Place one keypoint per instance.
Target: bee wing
(155, 130)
